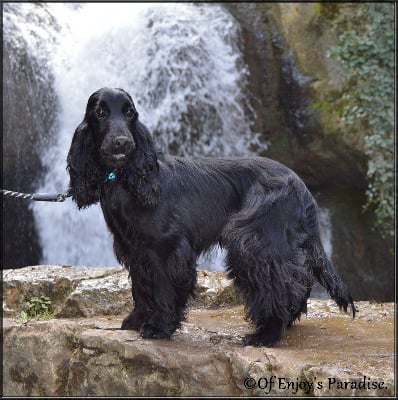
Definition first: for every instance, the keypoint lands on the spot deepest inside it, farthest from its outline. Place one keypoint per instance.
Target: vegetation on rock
(366, 50)
(38, 308)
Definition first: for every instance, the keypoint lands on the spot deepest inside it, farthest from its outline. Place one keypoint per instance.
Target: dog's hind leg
(266, 261)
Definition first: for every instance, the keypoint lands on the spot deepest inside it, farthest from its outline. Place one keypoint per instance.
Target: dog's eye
(100, 112)
(129, 112)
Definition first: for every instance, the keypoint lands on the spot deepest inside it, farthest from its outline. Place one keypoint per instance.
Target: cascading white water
(182, 65)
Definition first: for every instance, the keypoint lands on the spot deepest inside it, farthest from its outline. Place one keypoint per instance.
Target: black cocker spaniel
(164, 211)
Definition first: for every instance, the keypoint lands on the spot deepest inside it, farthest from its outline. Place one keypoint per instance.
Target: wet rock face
(364, 259)
(29, 114)
(325, 354)
(294, 87)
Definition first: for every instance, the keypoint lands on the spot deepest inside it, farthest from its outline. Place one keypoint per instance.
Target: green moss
(76, 354)
(328, 11)
(322, 106)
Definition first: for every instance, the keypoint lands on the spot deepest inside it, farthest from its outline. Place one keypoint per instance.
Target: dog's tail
(322, 268)
(328, 277)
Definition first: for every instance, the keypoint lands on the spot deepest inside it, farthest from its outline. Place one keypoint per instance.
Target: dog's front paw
(127, 324)
(149, 331)
(133, 322)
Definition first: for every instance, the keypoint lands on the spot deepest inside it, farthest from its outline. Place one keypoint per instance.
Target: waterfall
(182, 65)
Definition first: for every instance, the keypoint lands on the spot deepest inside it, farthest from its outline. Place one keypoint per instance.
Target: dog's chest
(122, 214)
(117, 203)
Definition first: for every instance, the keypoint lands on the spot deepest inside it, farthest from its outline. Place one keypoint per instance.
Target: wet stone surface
(327, 353)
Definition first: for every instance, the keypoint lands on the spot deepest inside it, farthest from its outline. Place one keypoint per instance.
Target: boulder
(89, 291)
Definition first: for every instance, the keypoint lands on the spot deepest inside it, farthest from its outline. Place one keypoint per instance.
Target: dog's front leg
(165, 318)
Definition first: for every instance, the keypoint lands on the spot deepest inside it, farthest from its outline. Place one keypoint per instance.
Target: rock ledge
(85, 353)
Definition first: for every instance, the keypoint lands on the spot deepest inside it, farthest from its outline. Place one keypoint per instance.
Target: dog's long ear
(144, 177)
(85, 176)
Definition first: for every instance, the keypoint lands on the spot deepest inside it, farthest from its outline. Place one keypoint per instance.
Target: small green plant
(23, 317)
(366, 51)
(38, 308)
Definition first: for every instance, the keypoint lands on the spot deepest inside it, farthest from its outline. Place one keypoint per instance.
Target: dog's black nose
(121, 145)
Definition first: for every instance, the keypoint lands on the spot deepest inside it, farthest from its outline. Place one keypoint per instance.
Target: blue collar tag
(111, 176)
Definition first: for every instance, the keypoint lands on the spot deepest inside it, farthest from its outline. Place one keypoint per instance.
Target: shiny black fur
(164, 211)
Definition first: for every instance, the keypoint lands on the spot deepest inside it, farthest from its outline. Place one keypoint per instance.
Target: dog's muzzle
(118, 149)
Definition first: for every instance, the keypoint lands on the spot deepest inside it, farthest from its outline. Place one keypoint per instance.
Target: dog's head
(111, 139)
(111, 114)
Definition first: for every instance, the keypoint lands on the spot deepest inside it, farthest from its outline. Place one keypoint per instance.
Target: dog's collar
(111, 176)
